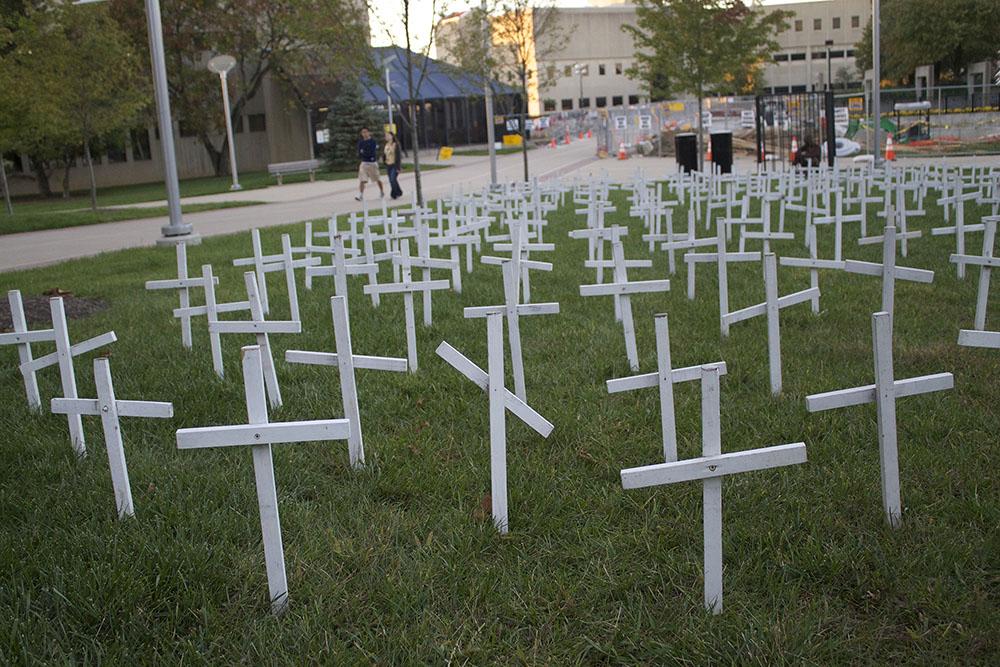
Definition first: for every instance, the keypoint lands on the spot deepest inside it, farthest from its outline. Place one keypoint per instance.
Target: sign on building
(621, 122)
(645, 122)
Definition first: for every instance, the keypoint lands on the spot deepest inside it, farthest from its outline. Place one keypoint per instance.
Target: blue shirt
(368, 150)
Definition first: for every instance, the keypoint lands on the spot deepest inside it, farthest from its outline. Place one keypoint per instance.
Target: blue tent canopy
(441, 80)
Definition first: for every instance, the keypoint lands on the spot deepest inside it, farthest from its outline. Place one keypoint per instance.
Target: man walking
(368, 170)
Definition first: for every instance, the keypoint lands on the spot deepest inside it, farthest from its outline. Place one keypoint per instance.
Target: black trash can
(722, 151)
(686, 151)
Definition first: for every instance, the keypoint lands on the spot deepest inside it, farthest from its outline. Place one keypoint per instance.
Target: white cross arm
(359, 360)
(636, 287)
(252, 261)
(783, 302)
(902, 272)
(327, 250)
(522, 309)
(231, 307)
(976, 338)
(15, 338)
(443, 241)
(92, 407)
(992, 262)
(843, 398)
(524, 263)
(689, 243)
(808, 263)
(296, 264)
(74, 351)
(873, 240)
(771, 236)
(610, 264)
(178, 283)
(707, 467)
(600, 233)
(954, 199)
(944, 231)
(256, 327)
(522, 410)
(695, 257)
(647, 380)
(397, 288)
(263, 434)
(347, 269)
(425, 262)
(540, 247)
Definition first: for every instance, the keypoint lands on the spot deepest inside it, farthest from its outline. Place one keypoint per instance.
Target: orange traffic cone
(708, 153)
(552, 144)
(890, 150)
(580, 136)
(567, 137)
(589, 134)
(621, 151)
(794, 150)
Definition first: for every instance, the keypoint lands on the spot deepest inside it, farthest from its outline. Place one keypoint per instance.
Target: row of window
(818, 23)
(584, 70)
(566, 104)
(257, 122)
(816, 55)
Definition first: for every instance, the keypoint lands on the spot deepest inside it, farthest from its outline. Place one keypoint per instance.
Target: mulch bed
(36, 308)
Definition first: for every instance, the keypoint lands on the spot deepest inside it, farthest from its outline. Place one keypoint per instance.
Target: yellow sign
(512, 140)
(856, 104)
(675, 106)
(444, 153)
(389, 127)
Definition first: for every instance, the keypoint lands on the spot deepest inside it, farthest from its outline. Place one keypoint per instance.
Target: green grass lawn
(34, 213)
(477, 152)
(398, 563)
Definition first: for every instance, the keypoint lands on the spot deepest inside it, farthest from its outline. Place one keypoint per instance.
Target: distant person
(392, 156)
(809, 154)
(368, 169)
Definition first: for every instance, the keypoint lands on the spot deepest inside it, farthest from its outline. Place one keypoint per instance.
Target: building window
(633, 99)
(798, 89)
(781, 89)
(550, 105)
(616, 101)
(140, 144)
(836, 54)
(257, 122)
(567, 104)
(602, 102)
(619, 69)
(798, 26)
(850, 53)
(238, 124)
(855, 21)
(819, 55)
(600, 70)
(116, 150)
(568, 70)
(584, 102)
(798, 56)
(836, 23)
(781, 57)
(817, 24)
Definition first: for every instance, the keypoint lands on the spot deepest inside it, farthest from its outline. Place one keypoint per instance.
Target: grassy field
(399, 564)
(478, 152)
(35, 213)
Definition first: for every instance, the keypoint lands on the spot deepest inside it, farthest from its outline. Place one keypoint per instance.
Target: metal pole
(829, 70)
(229, 132)
(876, 81)
(177, 226)
(6, 188)
(312, 134)
(488, 92)
(388, 94)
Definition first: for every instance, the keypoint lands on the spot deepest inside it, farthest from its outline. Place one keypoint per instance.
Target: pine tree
(348, 114)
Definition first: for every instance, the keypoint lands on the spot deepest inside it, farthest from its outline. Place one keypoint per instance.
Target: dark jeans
(395, 191)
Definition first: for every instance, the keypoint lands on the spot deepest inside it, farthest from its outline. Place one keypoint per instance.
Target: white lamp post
(177, 226)
(221, 66)
(388, 85)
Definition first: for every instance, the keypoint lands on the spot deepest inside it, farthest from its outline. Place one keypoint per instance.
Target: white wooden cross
(342, 265)
(520, 248)
(501, 400)
(109, 409)
(423, 260)
(183, 284)
(258, 260)
(837, 220)
(711, 467)
(284, 263)
(888, 270)
(258, 434)
(883, 393)
(513, 311)
(958, 198)
(771, 308)
(346, 362)
(260, 328)
(62, 357)
(901, 234)
(624, 289)
(665, 378)
(407, 287)
(978, 336)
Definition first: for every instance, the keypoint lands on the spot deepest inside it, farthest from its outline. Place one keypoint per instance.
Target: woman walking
(392, 156)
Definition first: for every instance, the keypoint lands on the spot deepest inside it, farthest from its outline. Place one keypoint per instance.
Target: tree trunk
(411, 103)
(524, 127)
(42, 173)
(701, 130)
(3, 184)
(90, 170)
(67, 167)
(216, 156)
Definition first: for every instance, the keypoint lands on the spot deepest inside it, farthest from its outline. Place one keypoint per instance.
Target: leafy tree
(348, 114)
(949, 35)
(289, 40)
(700, 47)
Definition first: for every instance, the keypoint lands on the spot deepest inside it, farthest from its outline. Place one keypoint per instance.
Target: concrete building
(589, 71)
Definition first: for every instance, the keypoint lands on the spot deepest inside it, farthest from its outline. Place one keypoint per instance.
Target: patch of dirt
(38, 315)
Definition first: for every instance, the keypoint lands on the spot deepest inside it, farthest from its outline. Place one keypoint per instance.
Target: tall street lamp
(388, 85)
(221, 66)
(579, 70)
(154, 24)
(829, 76)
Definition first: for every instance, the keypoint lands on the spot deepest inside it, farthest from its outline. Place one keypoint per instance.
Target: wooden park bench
(280, 169)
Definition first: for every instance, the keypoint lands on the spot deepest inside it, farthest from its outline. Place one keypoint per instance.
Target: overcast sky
(387, 25)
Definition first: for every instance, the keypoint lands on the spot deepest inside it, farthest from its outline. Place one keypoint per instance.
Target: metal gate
(805, 117)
